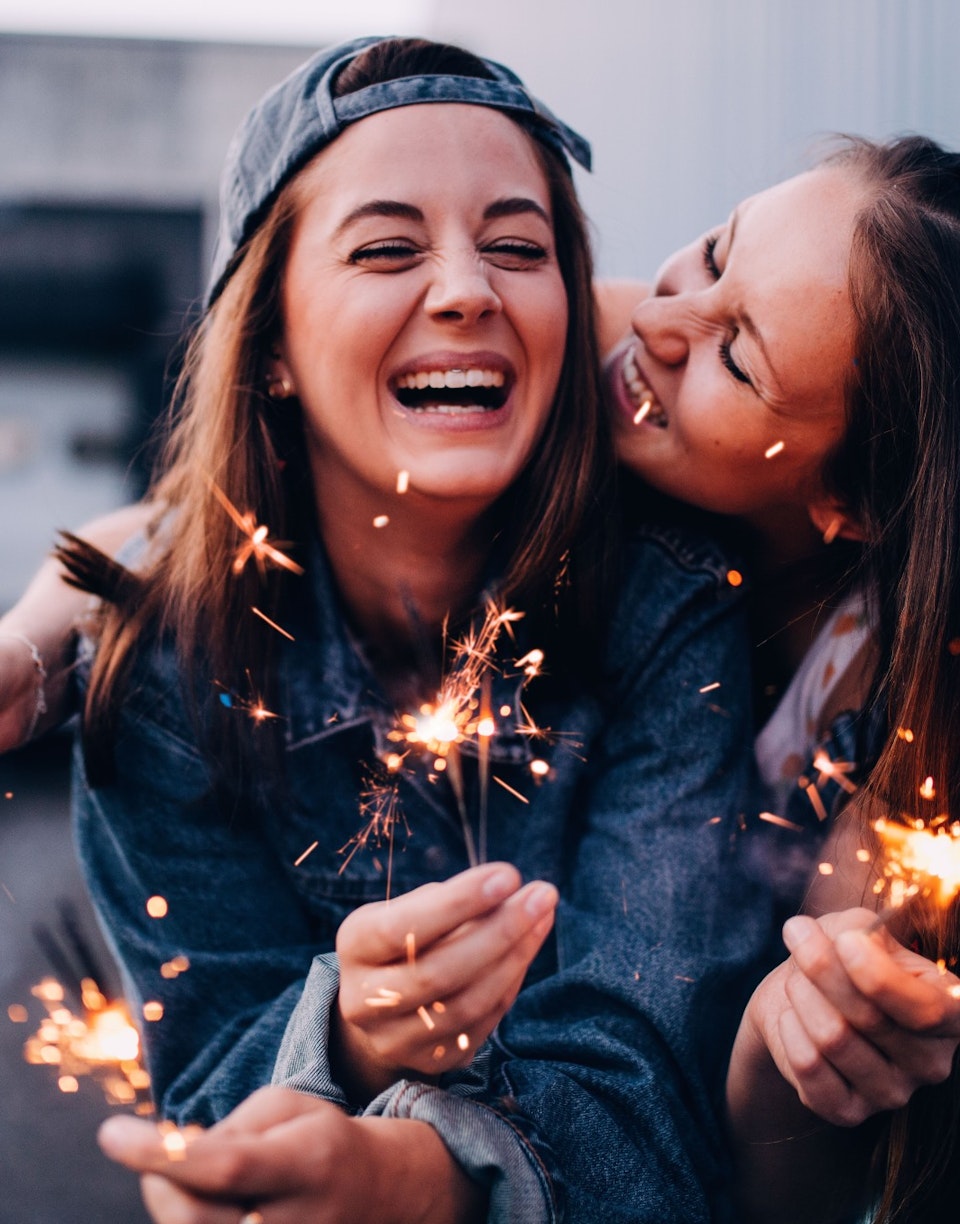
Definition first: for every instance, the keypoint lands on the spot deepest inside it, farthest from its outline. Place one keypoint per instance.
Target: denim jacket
(597, 1096)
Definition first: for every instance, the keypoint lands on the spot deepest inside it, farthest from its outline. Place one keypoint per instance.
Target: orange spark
(157, 907)
(309, 850)
(273, 624)
(773, 450)
(772, 818)
(255, 545)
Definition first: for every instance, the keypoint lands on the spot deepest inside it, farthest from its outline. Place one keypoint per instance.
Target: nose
(461, 291)
(661, 322)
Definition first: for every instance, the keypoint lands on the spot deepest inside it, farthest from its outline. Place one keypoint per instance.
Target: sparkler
(102, 1042)
(462, 712)
(920, 861)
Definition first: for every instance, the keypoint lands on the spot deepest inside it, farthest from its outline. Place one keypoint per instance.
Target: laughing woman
(396, 378)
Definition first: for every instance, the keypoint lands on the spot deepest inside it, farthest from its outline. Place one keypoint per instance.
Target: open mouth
(645, 403)
(452, 392)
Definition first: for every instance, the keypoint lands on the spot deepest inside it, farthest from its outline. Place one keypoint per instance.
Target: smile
(643, 399)
(452, 392)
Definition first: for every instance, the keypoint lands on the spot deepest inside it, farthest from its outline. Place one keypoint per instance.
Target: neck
(795, 572)
(401, 581)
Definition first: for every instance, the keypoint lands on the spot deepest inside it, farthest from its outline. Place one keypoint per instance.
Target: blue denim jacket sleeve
(598, 1097)
(156, 831)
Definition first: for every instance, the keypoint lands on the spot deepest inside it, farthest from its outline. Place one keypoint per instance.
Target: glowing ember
(927, 789)
(832, 530)
(709, 688)
(157, 907)
(403, 480)
(825, 869)
(309, 850)
(835, 770)
(382, 520)
(781, 821)
(463, 1041)
(905, 733)
(153, 1011)
(735, 578)
(539, 768)
(773, 450)
(921, 860)
(427, 1019)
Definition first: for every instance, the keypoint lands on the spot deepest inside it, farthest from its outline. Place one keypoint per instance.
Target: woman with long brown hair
(379, 626)
(798, 370)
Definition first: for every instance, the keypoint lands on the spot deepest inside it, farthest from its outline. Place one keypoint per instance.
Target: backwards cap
(300, 116)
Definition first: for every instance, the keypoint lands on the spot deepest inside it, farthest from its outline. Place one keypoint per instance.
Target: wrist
(22, 688)
(415, 1179)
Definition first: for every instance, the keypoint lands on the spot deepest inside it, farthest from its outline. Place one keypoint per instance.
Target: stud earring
(280, 388)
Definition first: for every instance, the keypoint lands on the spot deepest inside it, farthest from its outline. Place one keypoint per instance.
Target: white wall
(692, 104)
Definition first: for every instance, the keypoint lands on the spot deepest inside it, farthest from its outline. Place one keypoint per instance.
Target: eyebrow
(512, 206)
(745, 318)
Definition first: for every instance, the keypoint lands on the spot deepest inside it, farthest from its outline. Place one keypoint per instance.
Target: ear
(279, 380)
(833, 520)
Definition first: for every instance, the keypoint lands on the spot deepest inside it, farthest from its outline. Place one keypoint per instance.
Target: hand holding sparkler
(854, 1021)
(426, 977)
(286, 1156)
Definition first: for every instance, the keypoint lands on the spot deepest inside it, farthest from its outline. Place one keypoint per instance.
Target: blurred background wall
(113, 122)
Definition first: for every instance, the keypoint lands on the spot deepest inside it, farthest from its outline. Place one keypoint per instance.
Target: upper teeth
(640, 393)
(451, 378)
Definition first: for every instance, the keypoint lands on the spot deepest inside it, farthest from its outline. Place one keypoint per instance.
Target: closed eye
(515, 255)
(385, 253)
(709, 260)
(727, 358)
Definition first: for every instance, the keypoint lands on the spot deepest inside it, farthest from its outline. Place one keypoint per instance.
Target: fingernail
(116, 1133)
(796, 930)
(540, 900)
(501, 884)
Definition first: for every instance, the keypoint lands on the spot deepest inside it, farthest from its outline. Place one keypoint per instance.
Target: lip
(482, 417)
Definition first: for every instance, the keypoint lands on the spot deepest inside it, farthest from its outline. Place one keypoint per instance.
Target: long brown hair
(898, 471)
(227, 435)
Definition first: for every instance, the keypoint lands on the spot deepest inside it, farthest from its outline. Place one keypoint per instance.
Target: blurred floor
(51, 1171)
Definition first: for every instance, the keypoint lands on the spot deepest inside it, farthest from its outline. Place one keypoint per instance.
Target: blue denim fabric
(597, 1097)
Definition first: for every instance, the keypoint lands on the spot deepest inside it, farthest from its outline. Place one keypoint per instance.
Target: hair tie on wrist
(40, 705)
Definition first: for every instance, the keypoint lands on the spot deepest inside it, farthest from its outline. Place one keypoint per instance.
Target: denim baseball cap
(300, 116)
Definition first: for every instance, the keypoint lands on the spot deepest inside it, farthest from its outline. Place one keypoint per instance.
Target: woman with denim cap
(393, 390)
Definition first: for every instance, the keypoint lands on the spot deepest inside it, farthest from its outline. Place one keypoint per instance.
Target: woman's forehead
(429, 144)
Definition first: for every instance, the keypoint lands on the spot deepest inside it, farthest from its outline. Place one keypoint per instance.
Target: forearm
(37, 639)
(38, 636)
(791, 1167)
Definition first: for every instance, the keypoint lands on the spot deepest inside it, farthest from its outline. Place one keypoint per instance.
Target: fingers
(869, 1022)
(167, 1203)
(380, 932)
(231, 1160)
(431, 1015)
(907, 987)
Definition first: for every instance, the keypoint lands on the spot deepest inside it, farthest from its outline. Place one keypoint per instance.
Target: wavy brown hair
(898, 470)
(227, 433)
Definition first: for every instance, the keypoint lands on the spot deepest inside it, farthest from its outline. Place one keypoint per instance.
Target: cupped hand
(855, 1021)
(426, 977)
(293, 1158)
